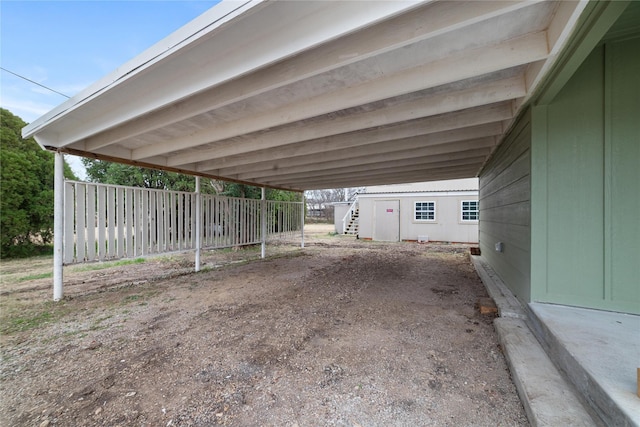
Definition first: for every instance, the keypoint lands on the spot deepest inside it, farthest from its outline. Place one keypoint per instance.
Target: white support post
(263, 224)
(58, 226)
(198, 223)
(302, 208)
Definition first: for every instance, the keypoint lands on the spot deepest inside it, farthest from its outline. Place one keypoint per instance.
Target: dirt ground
(341, 333)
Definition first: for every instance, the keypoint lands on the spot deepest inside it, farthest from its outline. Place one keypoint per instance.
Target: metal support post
(58, 226)
(263, 224)
(304, 204)
(198, 223)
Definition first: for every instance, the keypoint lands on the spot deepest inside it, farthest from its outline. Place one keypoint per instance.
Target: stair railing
(349, 215)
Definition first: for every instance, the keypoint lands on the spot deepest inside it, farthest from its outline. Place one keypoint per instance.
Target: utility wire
(35, 83)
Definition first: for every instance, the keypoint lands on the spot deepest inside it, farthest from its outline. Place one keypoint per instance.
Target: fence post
(58, 226)
(263, 224)
(302, 209)
(198, 223)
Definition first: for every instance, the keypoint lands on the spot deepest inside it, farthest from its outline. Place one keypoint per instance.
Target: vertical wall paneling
(129, 222)
(81, 215)
(167, 221)
(138, 222)
(69, 222)
(91, 222)
(622, 173)
(159, 231)
(144, 223)
(539, 189)
(585, 180)
(130, 214)
(102, 222)
(180, 216)
(111, 220)
(120, 222)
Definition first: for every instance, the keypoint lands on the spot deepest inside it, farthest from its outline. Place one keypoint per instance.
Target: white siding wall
(340, 210)
(447, 227)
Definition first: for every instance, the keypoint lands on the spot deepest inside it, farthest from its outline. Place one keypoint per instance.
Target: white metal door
(386, 226)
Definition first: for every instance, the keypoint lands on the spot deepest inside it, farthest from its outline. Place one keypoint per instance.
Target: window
(425, 211)
(470, 210)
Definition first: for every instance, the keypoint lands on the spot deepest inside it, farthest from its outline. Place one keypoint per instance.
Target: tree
(321, 200)
(119, 174)
(26, 190)
(133, 176)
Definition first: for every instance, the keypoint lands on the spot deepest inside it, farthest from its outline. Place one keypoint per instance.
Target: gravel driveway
(342, 333)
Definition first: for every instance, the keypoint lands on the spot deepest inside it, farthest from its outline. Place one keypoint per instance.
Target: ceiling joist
(315, 94)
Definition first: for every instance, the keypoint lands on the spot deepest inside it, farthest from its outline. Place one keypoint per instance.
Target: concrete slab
(600, 352)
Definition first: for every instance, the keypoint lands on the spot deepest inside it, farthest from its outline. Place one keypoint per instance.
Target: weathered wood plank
(120, 222)
(111, 220)
(91, 222)
(81, 215)
(69, 223)
(102, 222)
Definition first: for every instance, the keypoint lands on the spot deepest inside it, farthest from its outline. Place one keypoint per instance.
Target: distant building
(444, 211)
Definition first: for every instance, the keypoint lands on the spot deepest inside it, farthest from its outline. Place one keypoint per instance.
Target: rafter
(434, 144)
(329, 168)
(354, 140)
(393, 178)
(461, 66)
(421, 23)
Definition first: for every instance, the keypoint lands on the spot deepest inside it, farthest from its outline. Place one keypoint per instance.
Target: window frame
(475, 211)
(432, 210)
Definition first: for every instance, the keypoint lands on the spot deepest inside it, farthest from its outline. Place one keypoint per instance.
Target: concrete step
(599, 353)
(548, 397)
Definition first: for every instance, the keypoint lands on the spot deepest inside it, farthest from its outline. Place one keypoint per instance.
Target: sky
(68, 45)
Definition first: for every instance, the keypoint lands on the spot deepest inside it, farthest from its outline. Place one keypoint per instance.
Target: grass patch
(26, 319)
(19, 324)
(103, 265)
(35, 276)
(132, 298)
(141, 299)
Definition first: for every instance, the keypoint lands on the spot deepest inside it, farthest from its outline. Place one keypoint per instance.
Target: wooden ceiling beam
(437, 144)
(359, 129)
(450, 159)
(421, 23)
(350, 160)
(393, 178)
(458, 67)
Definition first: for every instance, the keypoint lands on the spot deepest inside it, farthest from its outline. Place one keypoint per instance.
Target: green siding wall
(623, 160)
(586, 185)
(505, 214)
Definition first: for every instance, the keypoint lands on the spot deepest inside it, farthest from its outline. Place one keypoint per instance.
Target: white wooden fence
(106, 222)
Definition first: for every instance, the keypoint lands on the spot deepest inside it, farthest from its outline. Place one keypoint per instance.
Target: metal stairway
(351, 221)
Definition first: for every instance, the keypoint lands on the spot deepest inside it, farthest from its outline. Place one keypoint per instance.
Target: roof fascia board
(207, 22)
(300, 38)
(420, 194)
(167, 168)
(596, 19)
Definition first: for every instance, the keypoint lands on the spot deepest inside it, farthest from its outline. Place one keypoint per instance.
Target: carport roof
(317, 94)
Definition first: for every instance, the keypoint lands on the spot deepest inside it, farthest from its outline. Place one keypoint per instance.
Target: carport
(307, 95)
